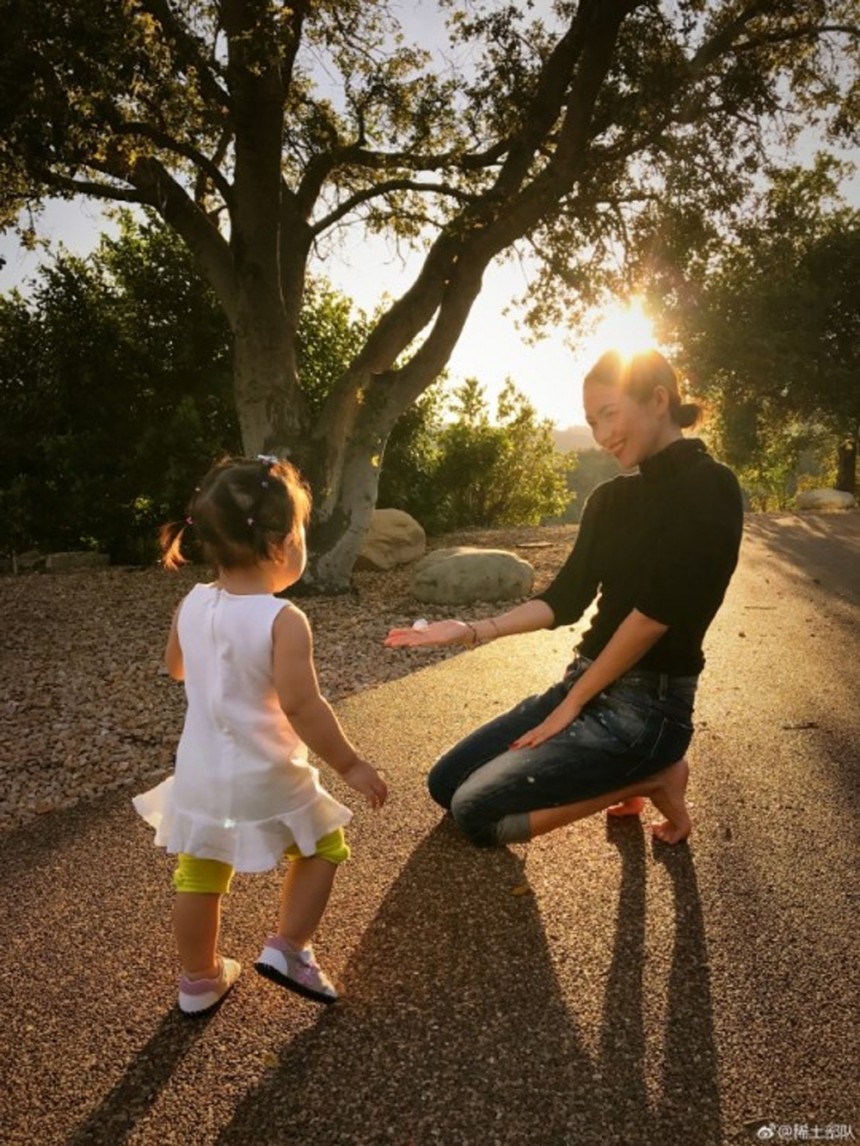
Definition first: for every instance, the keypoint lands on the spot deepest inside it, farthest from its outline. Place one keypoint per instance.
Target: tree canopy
(586, 131)
(769, 330)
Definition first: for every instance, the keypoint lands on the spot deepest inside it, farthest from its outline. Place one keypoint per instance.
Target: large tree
(254, 127)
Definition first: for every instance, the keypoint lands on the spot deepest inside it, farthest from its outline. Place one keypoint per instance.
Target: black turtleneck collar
(672, 459)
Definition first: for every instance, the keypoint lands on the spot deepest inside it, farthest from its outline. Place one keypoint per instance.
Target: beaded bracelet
(474, 641)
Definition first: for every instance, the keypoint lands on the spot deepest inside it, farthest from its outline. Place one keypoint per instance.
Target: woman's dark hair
(241, 510)
(639, 376)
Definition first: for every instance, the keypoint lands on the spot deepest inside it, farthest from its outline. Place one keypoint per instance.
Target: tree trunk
(846, 465)
(343, 462)
(270, 408)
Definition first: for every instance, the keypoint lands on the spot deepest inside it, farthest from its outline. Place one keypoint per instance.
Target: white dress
(242, 791)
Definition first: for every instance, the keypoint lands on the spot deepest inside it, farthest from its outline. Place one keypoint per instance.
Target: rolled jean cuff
(514, 829)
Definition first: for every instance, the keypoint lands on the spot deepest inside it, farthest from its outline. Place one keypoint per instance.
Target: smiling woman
(656, 550)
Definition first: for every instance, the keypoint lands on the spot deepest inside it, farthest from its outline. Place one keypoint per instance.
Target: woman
(659, 547)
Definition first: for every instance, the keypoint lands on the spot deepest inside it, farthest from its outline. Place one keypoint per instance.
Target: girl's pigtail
(170, 539)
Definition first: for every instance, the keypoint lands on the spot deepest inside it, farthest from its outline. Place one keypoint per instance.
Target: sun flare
(625, 328)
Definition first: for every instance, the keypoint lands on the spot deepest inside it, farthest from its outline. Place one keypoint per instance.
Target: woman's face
(630, 430)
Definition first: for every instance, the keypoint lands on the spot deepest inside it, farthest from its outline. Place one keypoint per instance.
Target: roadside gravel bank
(84, 707)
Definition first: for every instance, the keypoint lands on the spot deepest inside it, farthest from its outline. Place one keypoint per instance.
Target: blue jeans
(638, 725)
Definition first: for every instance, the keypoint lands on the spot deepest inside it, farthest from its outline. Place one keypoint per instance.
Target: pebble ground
(593, 987)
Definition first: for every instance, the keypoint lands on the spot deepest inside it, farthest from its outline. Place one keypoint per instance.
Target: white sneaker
(296, 970)
(199, 996)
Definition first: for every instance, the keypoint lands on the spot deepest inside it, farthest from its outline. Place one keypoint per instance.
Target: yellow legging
(213, 876)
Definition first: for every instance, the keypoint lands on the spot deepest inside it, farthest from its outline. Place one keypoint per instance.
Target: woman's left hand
(556, 722)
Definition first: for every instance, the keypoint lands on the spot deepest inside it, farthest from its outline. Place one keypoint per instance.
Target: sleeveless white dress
(242, 791)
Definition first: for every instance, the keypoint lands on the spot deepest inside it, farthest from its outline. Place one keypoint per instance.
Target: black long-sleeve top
(664, 541)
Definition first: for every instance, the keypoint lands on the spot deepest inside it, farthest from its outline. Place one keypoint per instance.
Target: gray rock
(73, 561)
(825, 499)
(26, 562)
(394, 538)
(465, 574)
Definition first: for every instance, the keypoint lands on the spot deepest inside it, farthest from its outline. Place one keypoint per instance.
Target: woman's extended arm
(627, 645)
(525, 618)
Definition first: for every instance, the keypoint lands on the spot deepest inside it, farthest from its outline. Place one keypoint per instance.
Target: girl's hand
(436, 633)
(556, 722)
(364, 778)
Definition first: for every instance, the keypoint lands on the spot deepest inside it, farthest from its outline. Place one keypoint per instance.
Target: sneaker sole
(275, 976)
(204, 1011)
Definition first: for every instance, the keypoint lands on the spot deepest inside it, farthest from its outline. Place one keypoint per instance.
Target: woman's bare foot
(668, 797)
(629, 807)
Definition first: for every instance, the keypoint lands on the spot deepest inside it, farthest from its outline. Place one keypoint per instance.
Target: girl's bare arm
(173, 661)
(309, 712)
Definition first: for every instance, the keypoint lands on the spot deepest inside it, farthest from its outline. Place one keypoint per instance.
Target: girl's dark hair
(639, 376)
(241, 510)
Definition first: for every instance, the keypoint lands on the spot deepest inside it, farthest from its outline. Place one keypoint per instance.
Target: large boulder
(825, 499)
(462, 575)
(76, 560)
(394, 538)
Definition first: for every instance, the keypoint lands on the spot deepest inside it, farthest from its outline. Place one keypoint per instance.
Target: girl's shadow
(453, 1028)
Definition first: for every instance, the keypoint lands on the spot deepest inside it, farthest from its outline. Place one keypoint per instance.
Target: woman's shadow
(453, 1028)
(687, 1106)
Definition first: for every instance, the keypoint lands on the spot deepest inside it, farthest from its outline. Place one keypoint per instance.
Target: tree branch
(796, 34)
(380, 189)
(190, 51)
(204, 240)
(88, 187)
(162, 139)
(725, 37)
(298, 12)
(357, 156)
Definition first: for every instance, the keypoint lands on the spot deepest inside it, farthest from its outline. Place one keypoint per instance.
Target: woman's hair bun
(688, 414)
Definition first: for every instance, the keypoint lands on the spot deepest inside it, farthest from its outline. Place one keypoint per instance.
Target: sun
(625, 328)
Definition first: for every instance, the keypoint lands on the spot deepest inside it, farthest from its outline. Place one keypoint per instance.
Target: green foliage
(769, 332)
(489, 474)
(408, 478)
(585, 470)
(116, 388)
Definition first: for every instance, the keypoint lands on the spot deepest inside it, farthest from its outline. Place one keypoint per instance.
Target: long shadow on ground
(116, 1116)
(455, 1029)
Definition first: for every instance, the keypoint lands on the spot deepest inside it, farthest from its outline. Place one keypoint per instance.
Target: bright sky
(491, 348)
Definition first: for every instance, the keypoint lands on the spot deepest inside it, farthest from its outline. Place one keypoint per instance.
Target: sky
(366, 268)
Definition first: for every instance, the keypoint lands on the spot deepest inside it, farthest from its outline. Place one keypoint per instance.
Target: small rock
(825, 499)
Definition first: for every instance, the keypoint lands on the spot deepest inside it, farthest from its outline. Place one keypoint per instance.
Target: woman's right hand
(435, 633)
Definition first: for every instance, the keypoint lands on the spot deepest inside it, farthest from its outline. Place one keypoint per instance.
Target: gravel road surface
(593, 987)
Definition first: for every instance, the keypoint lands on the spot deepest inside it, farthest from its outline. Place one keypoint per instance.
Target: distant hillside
(573, 438)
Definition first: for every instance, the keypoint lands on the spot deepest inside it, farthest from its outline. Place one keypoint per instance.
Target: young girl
(243, 794)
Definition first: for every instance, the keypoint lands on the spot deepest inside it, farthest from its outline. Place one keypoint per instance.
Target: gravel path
(85, 706)
(592, 988)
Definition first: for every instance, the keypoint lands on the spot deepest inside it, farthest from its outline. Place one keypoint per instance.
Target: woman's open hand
(556, 722)
(435, 633)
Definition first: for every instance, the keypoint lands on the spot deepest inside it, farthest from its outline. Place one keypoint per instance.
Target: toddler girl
(243, 793)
